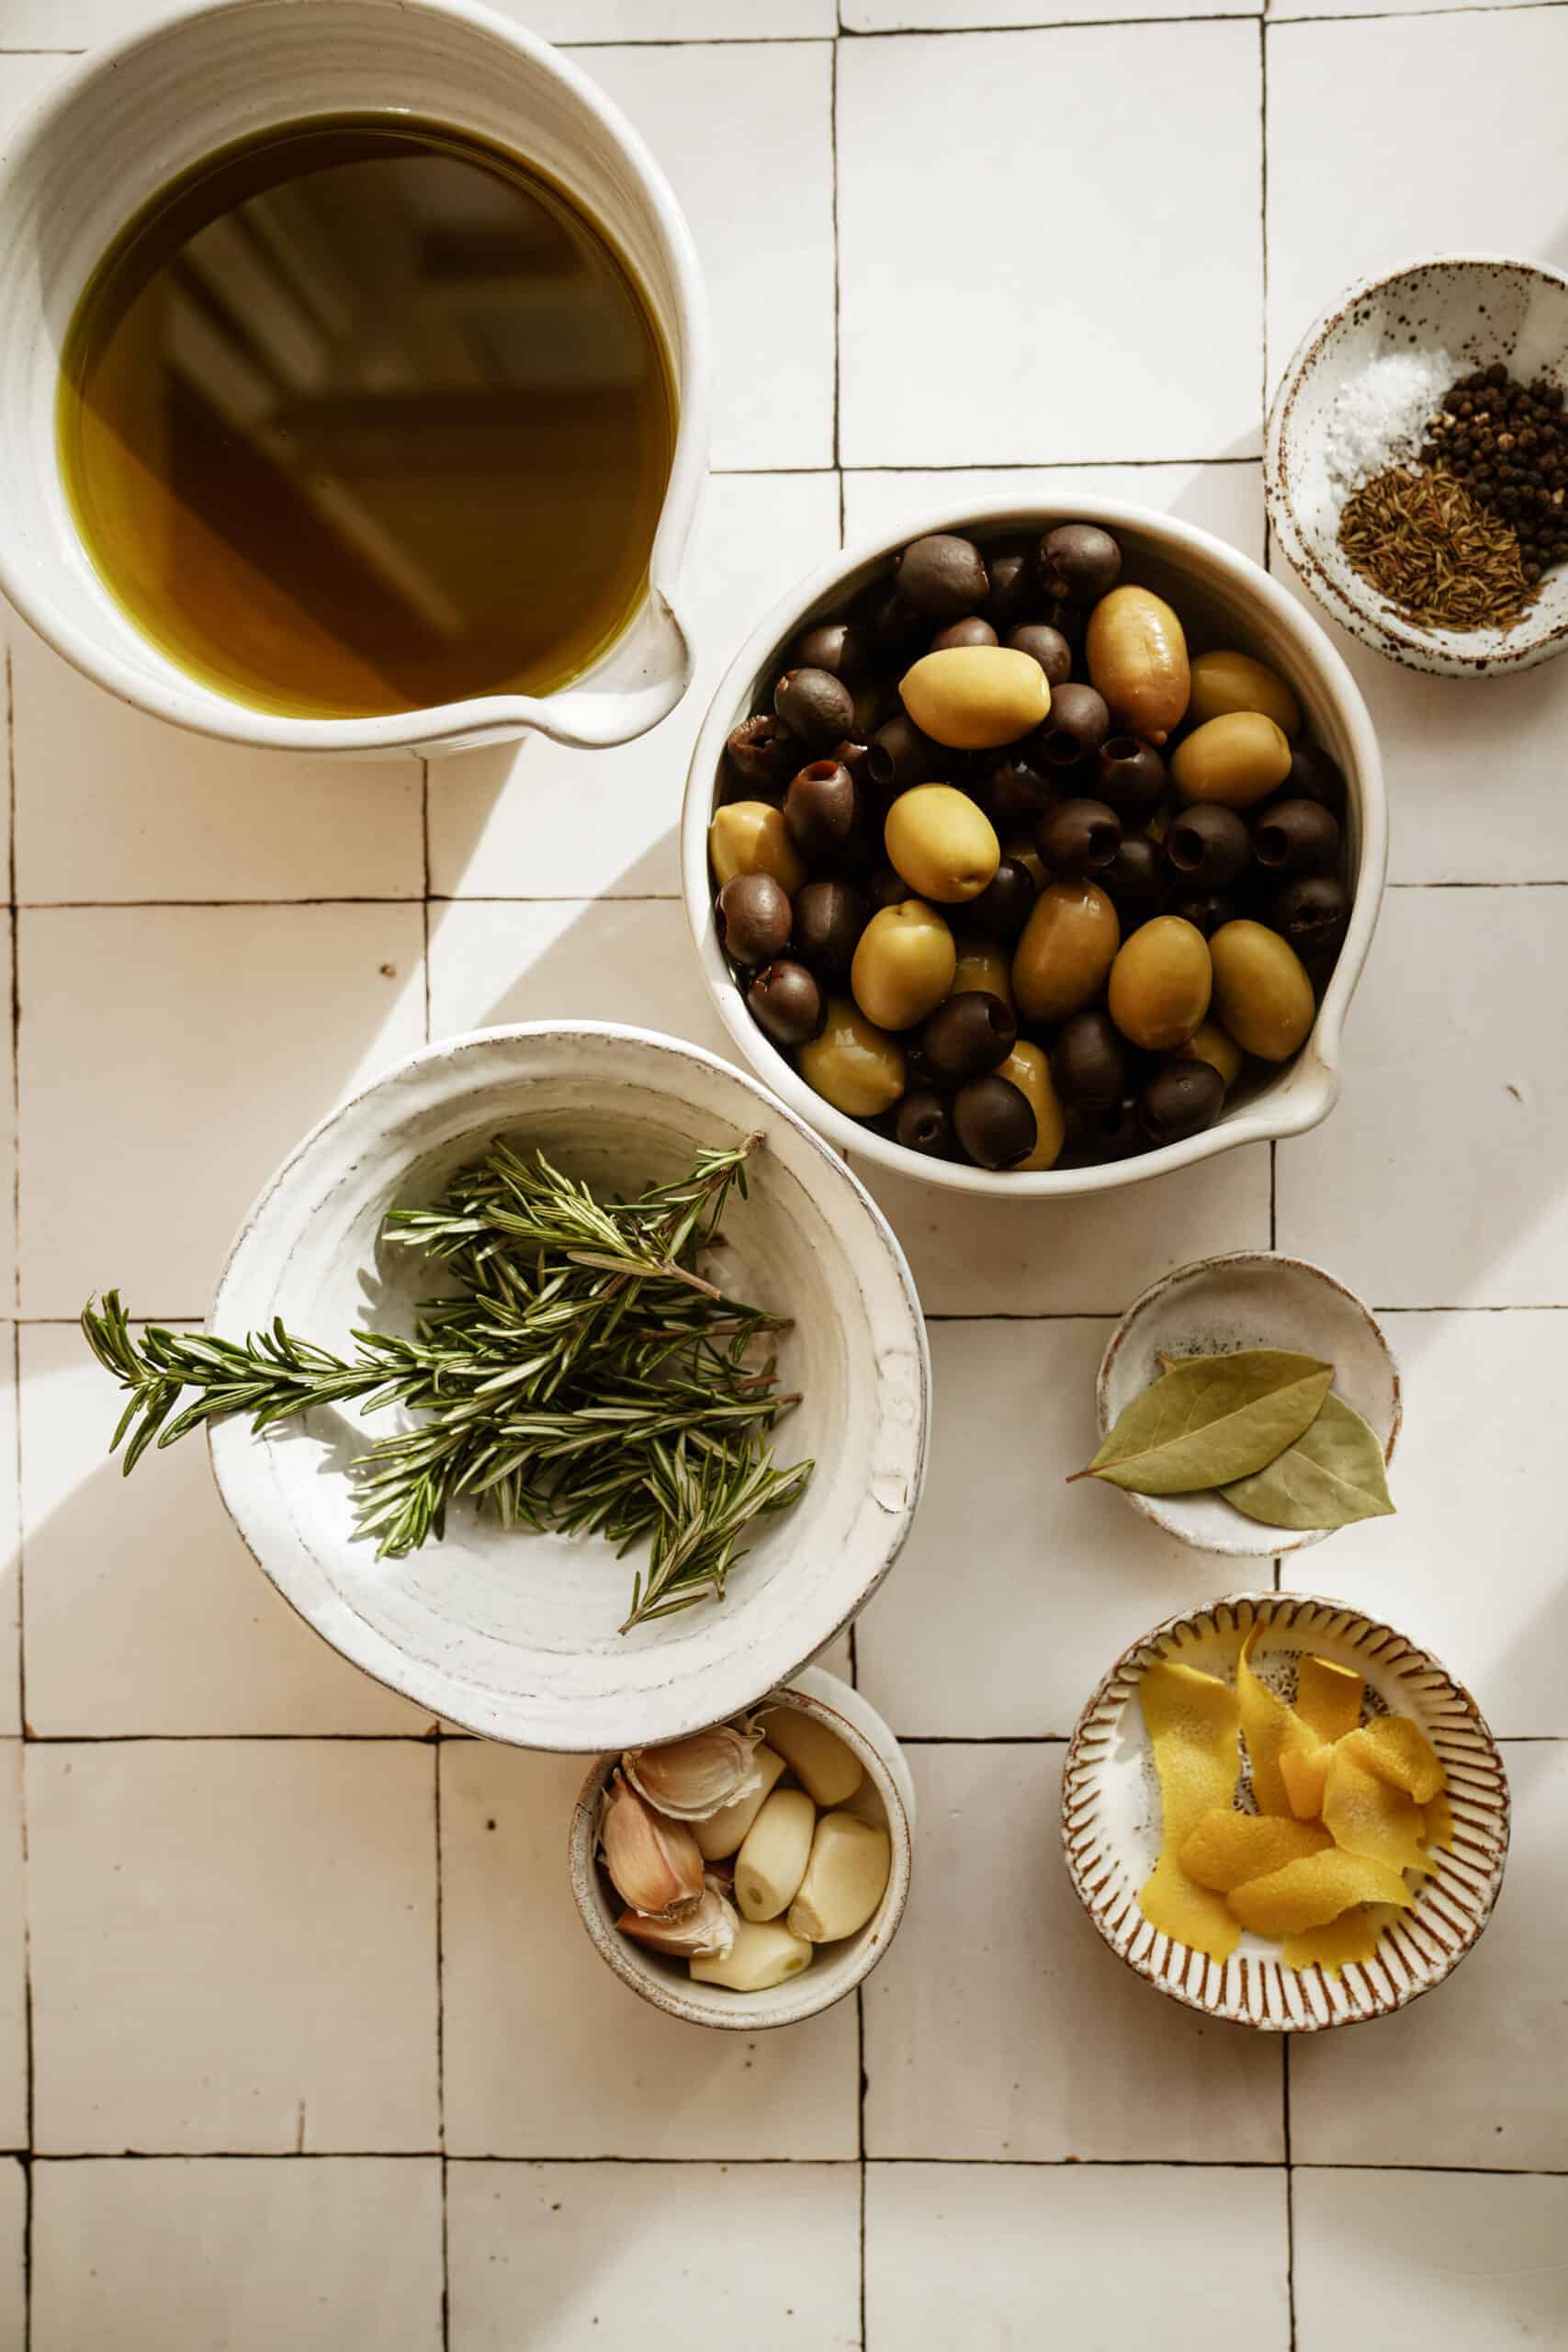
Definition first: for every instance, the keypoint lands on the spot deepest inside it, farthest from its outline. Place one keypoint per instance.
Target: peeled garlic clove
(845, 1877)
(722, 1833)
(654, 1864)
(819, 1759)
(690, 1779)
(772, 1863)
(706, 1927)
(761, 1955)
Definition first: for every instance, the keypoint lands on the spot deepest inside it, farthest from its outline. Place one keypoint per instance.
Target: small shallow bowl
(1110, 1819)
(887, 1794)
(1250, 1299)
(1481, 309)
(1224, 599)
(514, 1634)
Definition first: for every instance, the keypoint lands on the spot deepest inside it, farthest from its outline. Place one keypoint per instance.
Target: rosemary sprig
(586, 1376)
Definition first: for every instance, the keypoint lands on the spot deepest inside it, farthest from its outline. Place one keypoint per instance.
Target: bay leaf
(1211, 1420)
(1331, 1477)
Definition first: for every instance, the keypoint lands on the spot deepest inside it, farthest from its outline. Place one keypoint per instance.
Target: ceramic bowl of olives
(1037, 851)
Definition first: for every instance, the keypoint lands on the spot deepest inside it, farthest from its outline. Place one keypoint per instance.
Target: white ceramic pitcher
(133, 118)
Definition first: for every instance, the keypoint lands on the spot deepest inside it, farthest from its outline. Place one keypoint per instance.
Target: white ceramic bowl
(513, 1634)
(1250, 1299)
(887, 1794)
(1225, 598)
(1111, 1818)
(1480, 309)
(119, 127)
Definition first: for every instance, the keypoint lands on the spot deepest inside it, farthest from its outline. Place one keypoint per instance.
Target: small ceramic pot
(1110, 1819)
(1250, 1299)
(886, 1795)
(136, 113)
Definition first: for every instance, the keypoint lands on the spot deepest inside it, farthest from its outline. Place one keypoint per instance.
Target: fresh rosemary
(584, 1377)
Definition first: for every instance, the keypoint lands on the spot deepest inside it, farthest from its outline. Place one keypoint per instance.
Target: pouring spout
(638, 683)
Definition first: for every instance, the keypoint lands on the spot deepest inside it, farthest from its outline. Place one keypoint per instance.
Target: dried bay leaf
(1331, 1475)
(1212, 1420)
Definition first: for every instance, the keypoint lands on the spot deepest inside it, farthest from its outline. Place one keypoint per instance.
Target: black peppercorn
(815, 706)
(901, 756)
(1017, 791)
(1207, 847)
(1179, 1101)
(1048, 647)
(1003, 906)
(1078, 562)
(1295, 837)
(942, 576)
(1074, 728)
(923, 1123)
(838, 646)
(821, 809)
(787, 1001)
(828, 920)
(973, 1032)
(752, 917)
(970, 630)
(1078, 838)
(762, 752)
(1130, 776)
(1316, 776)
(995, 1122)
(1311, 913)
(1136, 882)
(1089, 1060)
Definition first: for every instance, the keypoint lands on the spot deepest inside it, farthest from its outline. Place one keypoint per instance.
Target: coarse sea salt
(1378, 419)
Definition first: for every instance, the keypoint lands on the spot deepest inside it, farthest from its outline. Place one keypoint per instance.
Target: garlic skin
(693, 1779)
(818, 1757)
(772, 1863)
(653, 1863)
(760, 1958)
(845, 1880)
(706, 1929)
(723, 1832)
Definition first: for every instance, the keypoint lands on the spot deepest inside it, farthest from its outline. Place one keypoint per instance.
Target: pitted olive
(1316, 776)
(1160, 984)
(1078, 838)
(787, 1001)
(924, 1122)
(750, 837)
(970, 630)
(1067, 949)
(1209, 1043)
(1027, 1068)
(1130, 776)
(975, 697)
(1048, 647)
(995, 1122)
(1237, 760)
(838, 646)
(982, 963)
(1089, 1060)
(821, 808)
(828, 918)
(1224, 682)
(1292, 837)
(1077, 562)
(942, 576)
(943, 845)
(1207, 847)
(1261, 991)
(1018, 791)
(1002, 907)
(763, 752)
(972, 1033)
(815, 706)
(1206, 910)
(1014, 594)
(901, 756)
(752, 917)
(1076, 726)
(1313, 913)
(853, 1065)
(1136, 649)
(1180, 1100)
(903, 964)
(1134, 882)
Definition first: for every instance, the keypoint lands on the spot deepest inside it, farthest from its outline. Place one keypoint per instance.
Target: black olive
(1074, 728)
(787, 1001)
(763, 752)
(1207, 847)
(1017, 791)
(1316, 776)
(1048, 647)
(1134, 882)
(1179, 1101)
(902, 755)
(1207, 910)
(923, 1123)
(1111, 1130)
(892, 623)
(752, 915)
(1130, 777)
(1014, 590)
(815, 706)
(838, 646)
(820, 808)
(1003, 906)
(1089, 1060)
(942, 576)
(1296, 837)
(973, 1032)
(970, 630)
(828, 920)
(1078, 838)
(995, 1121)
(1078, 562)
(1311, 912)
(887, 888)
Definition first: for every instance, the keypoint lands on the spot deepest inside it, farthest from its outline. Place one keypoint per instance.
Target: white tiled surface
(270, 1953)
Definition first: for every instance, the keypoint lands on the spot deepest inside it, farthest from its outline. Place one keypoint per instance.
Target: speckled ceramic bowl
(1477, 307)
(1111, 1818)
(887, 1794)
(1250, 1299)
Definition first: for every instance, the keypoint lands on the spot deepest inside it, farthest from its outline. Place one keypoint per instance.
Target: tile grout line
(424, 909)
(441, 2042)
(16, 1352)
(736, 2163)
(1289, 2190)
(16, 989)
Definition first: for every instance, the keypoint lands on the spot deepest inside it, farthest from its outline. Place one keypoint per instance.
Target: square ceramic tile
(1473, 2074)
(233, 1945)
(24, 79)
(654, 2256)
(8, 1118)
(999, 2025)
(1428, 2265)
(1087, 1255)
(548, 2053)
(1004, 340)
(1227, 500)
(1392, 97)
(145, 1612)
(1091, 2244)
(745, 133)
(77, 24)
(1001, 1538)
(535, 821)
(1477, 1476)
(956, 16)
(10, 1531)
(170, 1057)
(13, 1953)
(246, 2255)
(113, 805)
(13, 2254)
(664, 20)
(616, 959)
(1434, 1181)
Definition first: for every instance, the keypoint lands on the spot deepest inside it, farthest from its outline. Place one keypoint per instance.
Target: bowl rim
(812, 1690)
(1200, 1987)
(433, 1688)
(1383, 630)
(1274, 1541)
(1315, 1068)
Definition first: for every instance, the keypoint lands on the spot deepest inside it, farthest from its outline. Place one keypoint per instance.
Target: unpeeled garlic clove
(762, 1955)
(845, 1877)
(654, 1864)
(818, 1757)
(693, 1779)
(705, 1928)
(772, 1863)
(722, 1833)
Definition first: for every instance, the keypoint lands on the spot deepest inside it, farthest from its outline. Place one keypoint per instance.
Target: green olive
(1224, 682)
(1209, 1043)
(982, 965)
(750, 837)
(1068, 946)
(1136, 651)
(903, 967)
(975, 697)
(853, 1065)
(1261, 991)
(1031, 1073)
(943, 845)
(1160, 983)
(1237, 759)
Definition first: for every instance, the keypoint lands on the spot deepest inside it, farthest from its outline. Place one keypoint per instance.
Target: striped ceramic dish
(1110, 1817)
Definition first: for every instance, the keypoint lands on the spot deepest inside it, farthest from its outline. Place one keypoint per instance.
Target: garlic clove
(691, 1780)
(845, 1879)
(772, 1863)
(722, 1833)
(705, 1928)
(761, 1956)
(818, 1757)
(654, 1864)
